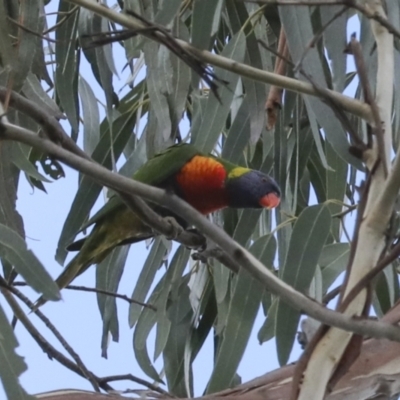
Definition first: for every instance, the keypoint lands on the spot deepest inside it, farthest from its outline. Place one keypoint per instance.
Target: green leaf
(308, 238)
(245, 226)
(238, 135)
(99, 57)
(207, 131)
(206, 18)
(255, 91)
(13, 248)
(242, 312)
(11, 364)
(158, 64)
(336, 181)
(67, 64)
(382, 296)
(34, 91)
(221, 277)
(335, 41)
(202, 323)
(27, 43)
(180, 83)
(298, 27)
(146, 321)
(9, 174)
(108, 276)
(317, 175)
(89, 190)
(180, 314)
(91, 117)
(167, 12)
(146, 278)
(267, 331)
(172, 276)
(21, 161)
(7, 54)
(333, 261)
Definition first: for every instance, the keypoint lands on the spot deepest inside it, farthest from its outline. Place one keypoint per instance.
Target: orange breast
(201, 181)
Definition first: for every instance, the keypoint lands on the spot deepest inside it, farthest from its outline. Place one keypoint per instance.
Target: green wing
(154, 172)
(164, 165)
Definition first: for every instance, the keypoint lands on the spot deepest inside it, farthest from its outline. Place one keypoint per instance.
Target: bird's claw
(176, 229)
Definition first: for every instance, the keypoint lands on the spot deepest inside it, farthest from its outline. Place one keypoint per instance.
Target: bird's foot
(176, 229)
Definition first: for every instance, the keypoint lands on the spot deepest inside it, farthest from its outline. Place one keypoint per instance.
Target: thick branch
(349, 104)
(334, 351)
(237, 253)
(49, 123)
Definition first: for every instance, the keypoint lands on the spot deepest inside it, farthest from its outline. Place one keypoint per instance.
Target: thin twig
(51, 351)
(327, 97)
(367, 278)
(349, 104)
(47, 119)
(66, 16)
(105, 292)
(331, 295)
(24, 28)
(348, 3)
(274, 99)
(354, 48)
(85, 372)
(318, 36)
(130, 377)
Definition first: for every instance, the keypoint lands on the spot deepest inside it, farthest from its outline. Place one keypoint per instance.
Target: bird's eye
(264, 180)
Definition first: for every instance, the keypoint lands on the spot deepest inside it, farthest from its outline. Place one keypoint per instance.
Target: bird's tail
(123, 228)
(74, 268)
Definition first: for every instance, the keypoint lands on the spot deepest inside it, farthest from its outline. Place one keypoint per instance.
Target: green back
(154, 172)
(165, 164)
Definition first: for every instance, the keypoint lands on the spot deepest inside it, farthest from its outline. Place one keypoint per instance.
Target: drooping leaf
(67, 60)
(91, 118)
(89, 190)
(298, 28)
(13, 248)
(207, 132)
(21, 161)
(172, 277)
(335, 186)
(180, 315)
(267, 331)
(108, 276)
(34, 91)
(333, 261)
(242, 312)
(335, 42)
(308, 238)
(238, 135)
(146, 277)
(100, 57)
(205, 22)
(255, 92)
(12, 365)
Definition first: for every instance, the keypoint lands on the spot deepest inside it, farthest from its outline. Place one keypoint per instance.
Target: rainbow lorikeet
(206, 182)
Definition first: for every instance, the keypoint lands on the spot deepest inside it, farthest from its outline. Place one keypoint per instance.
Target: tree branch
(96, 290)
(44, 118)
(351, 105)
(79, 368)
(239, 255)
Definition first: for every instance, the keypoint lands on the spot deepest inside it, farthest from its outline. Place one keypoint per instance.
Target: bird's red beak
(270, 200)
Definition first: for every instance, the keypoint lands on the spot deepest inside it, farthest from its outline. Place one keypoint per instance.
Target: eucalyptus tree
(274, 85)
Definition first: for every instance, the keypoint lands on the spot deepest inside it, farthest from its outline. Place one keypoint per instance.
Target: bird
(208, 183)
